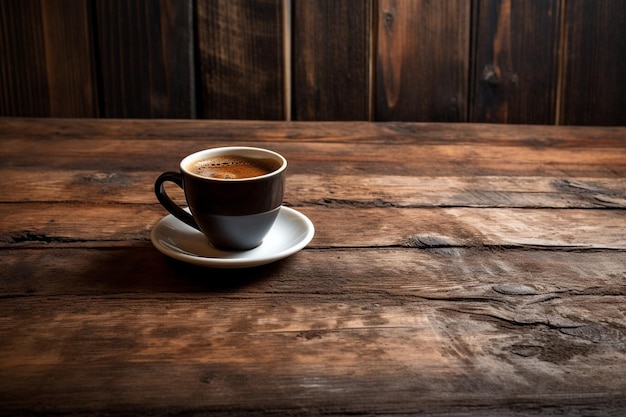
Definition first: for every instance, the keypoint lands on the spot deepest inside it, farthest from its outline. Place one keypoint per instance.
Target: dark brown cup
(234, 214)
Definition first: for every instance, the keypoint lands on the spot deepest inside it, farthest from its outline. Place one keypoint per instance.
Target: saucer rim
(235, 263)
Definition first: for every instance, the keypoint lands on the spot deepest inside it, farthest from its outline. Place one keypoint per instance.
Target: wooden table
(456, 269)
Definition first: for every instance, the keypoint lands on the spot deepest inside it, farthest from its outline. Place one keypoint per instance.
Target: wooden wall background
(504, 61)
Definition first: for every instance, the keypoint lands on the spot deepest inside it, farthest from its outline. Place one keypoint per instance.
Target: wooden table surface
(456, 269)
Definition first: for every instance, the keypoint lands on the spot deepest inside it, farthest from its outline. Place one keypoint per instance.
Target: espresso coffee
(233, 193)
(233, 167)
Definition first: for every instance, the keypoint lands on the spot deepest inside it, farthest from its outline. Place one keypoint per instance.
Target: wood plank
(70, 58)
(594, 92)
(241, 51)
(520, 276)
(233, 389)
(87, 225)
(146, 58)
(216, 132)
(516, 61)
(46, 64)
(221, 340)
(24, 88)
(446, 191)
(422, 60)
(331, 60)
(435, 159)
(339, 189)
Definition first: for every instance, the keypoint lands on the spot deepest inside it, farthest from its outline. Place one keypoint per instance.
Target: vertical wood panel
(135, 58)
(24, 84)
(422, 60)
(516, 67)
(594, 90)
(45, 59)
(241, 52)
(331, 51)
(146, 59)
(69, 58)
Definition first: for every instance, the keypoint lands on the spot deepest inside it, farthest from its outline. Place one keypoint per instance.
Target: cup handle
(167, 202)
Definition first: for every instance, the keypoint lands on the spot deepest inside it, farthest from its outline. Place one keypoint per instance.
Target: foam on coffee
(233, 167)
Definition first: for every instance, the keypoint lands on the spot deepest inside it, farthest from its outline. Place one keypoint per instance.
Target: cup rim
(222, 150)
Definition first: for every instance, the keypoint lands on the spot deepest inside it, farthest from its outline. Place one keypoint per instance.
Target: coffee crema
(233, 167)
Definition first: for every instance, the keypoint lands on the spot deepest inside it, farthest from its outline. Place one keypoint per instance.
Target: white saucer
(291, 232)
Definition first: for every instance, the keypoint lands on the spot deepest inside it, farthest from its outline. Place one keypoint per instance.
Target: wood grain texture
(518, 277)
(88, 225)
(516, 61)
(369, 338)
(331, 55)
(183, 132)
(594, 90)
(70, 58)
(499, 61)
(145, 58)
(470, 270)
(46, 64)
(241, 52)
(338, 189)
(390, 149)
(422, 60)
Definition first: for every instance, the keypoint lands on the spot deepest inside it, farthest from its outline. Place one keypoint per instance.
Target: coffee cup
(234, 194)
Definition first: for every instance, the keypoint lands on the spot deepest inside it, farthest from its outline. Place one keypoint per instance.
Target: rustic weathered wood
(475, 148)
(146, 58)
(422, 60)
(241, 51)
(17, 100)
(437, 338)
(474, 274)
(340, 189)
(594, 92)
(64, 224)
(46, 64)
(516, 61)
(456, 270)
(331, 56)
(510, 61)
(179, 132)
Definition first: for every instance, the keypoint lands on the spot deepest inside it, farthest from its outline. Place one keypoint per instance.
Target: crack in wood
(592, 193)
(429, 241)
(33, 237)
(591, 332)
(335, 202)
(28, 236)
(21, 240)
(518, 323)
